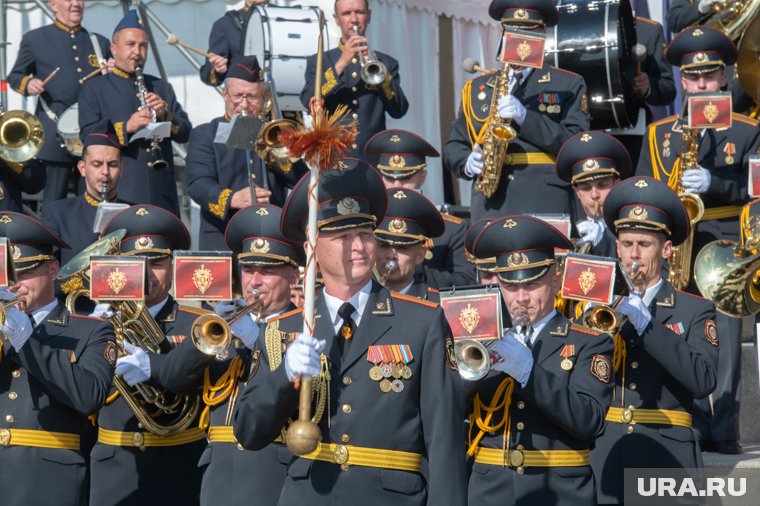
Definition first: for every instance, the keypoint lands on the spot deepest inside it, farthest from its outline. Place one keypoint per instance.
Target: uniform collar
(40, 314)
(540, 324)
(120, 73)
(652, 292)
(358, 300)
(154, 310)
(65, 28)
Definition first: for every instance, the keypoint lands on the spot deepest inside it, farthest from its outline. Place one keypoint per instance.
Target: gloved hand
(696, 180)
(637, 312)
(135, 366)
(517, 359)
(102, 310)
(17, 327)
(704, 6)
(244, 328)
(474, 164)
(302, 357)
(591, 231)
(6, 295)
(510, 107)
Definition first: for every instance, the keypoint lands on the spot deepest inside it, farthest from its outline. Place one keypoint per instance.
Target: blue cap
(102, 134)
(246, 68)
(131, 20)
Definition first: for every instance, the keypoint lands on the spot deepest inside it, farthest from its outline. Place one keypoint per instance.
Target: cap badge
(143, 242)
(348, 206)
(517, 260)
(202, 278)
(510, 224)
(697, 33)
(638, 213)
(585, 137)
(142, 212)
(469, 318)
(395, 138)
(262, 211)
(521, 14)
(590, 165)
(397, 226)
(16, 252)
(641, 184)
(260, 245)
(399, 195)
(700, 57)
(342, 165)
(397, 161)
(5, 219)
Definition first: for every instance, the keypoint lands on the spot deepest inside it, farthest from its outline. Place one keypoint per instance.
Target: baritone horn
(373, 72)
(475, 359)
(211, 333)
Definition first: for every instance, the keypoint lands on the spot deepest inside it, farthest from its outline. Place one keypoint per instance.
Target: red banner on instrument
(710, 110)
(7, 272)
(202, 276)
(473, 314)
(754, 176)
(117, 278)
(524, 49)
(588, 280)
(559, 221)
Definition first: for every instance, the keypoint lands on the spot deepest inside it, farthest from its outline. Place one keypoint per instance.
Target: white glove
(17, 328)
(706, 5)
(696, 180)
(6, 295)
(302, 357)
(244, 328)
(591, 231)
(509, 107)
(517, 359)
(637, 312)
(102, 310)
(474, 164)
(135, 366)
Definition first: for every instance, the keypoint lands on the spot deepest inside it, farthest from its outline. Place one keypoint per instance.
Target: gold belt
(657, 416)
(224, 434)
(721, 212)
(146, 439)
(345, 456)
(521, 458)
(39, 439)
(530, 159)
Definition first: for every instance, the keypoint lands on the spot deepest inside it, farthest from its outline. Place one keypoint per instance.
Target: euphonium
(500, 133)
(373, 71)
(680, 260)
(211, 333)
(21, 136)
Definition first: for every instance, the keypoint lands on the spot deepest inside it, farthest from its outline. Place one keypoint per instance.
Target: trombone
(605, 318)
(211, 333)
(373, 71)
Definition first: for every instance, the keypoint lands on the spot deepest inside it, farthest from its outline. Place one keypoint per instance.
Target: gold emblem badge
(521, 14)
(142, 212)
(16, 252)
(399, 195)
(700, 57)
(259, 245)
(342, 165)
(395, 138)
(586, 137)
(116, 280)
(523, 50)
(587, 280)
(710, 112)
(469, 318)
(638, 213)
(397, 226)
(590, 165)
(397, 161)
(262, 211)
(143, 242)
(697, 33)
(92, 59)
(202, 278)
(641, 184)
(348, 206)
(517, 259)
(510, 224)
(5, 219)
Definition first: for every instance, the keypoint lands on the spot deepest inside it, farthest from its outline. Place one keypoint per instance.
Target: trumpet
(373, 71)
(211, 333)
(389, 266)
(19, 302)
(475, 359)
(605, 318)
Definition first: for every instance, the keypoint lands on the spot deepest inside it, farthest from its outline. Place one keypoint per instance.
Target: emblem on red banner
(523, 49)
(711, 110)
(473, 313)
(202, 276)
(117, 278)
(588, 279)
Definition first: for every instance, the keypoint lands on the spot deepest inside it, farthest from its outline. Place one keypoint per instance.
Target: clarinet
(104, 190)
(157, 162)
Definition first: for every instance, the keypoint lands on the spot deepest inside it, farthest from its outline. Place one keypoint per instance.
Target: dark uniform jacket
(424, 418)
(524, 188)
(420, 289)
(125, 475)
(214, 172)
(60, 377)
(225, 39)
(366, 103)
(114, 96)
(557, 410)
(14, 179)
(666, 368)
(41, 51)
(662, 86)
(444, 264)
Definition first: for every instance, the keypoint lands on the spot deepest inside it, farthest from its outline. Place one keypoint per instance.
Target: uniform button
(510, 177)
(79, 69)
(240, 447)
(9, 418)
(353, 74)
(344, 467)
(346, 380)
(354, 146)
(345, 438)
(355, 116)
(12, 396)
(346, 408)
(74, 46)
(520, 405)
(520, 470)
(16, 374)
(355, 102)
(353, 88)
(354, 61)
(632, 386)
(520, 426)
(629, 430)
(76, 58)
(634, 365)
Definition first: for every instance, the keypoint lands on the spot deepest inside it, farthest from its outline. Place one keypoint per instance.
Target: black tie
(347, 328)
(31, 319)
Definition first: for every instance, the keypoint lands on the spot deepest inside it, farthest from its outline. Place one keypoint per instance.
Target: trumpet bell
(210, 334)
(268, 145)
(374, 72)
(602, 318)
(473, 359)
(728, 280)
(21, 136)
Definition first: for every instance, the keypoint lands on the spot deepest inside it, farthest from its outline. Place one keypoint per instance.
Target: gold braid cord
(502, 400)
(219, 392)
(321, 391)
(273, 340)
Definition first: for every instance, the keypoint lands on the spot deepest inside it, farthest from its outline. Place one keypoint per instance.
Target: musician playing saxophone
(720, 179)
(544, 105)
(114, 96)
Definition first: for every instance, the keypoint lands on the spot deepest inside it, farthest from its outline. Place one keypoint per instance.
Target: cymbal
(748, 61)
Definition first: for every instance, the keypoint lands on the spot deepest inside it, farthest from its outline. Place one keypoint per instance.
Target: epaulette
(451, 218)
(647, 20)
(565, 71)
(745, 119)
(585, 330)
(285, 315)
(663, 121)
(416, 300)
(85, 317)
(192, 309)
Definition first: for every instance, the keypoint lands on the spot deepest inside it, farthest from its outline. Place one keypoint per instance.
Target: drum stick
(172, 40)
(471, 65)
(639, 54)
(52, 74)
(91, 74)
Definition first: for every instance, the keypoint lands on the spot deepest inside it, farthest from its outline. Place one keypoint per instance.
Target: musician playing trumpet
(534, 417)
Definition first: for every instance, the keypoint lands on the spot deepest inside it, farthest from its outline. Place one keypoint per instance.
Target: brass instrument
(373, 71)
(104, 190)
(605, 318)
(475, 359)
(390, 265)
(680, 260)
(732, 17)
(21, 136)
(18, 301)
(269, 147)
(211, 333)
(157, 162)
(500, 134)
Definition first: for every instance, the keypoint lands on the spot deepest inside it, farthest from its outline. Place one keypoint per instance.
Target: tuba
(21, 136)
(680, 260)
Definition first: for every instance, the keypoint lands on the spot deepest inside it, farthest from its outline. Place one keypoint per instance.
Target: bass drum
(594, 39)
(282, 38)
(68, 130)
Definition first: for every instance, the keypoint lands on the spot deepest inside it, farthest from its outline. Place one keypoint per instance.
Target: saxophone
(500, 133)
(680, 260)
(157, 161)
